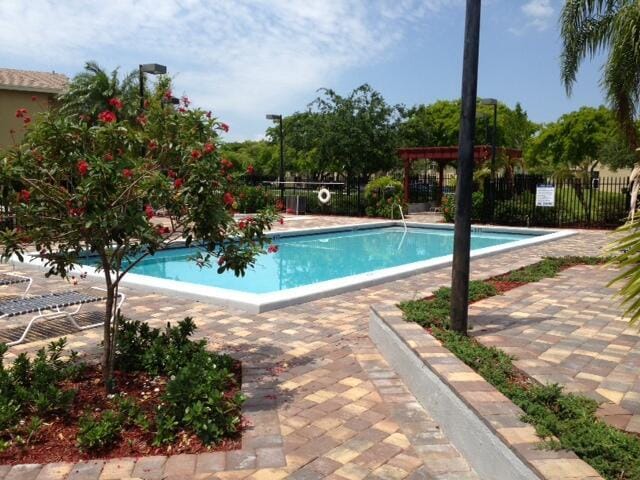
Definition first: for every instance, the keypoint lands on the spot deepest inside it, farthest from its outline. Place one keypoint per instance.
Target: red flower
(142, 119)
(209, 148)
(127, 173)
(21, 112)
(281, 220)
(226, 164)
(228, 199)
(242, 224)
(178, 183)
(107, 116)
(224, 127)
(116, 103)
(272, 249)
(221, 261)
(208, 114)
(182, 110)
(251, 170)
(171, 174)
(83, 167)
(148, 210)
(26, 120)
(153, 145)
(196, 154)
(168, 95)
(24, 196)
(108, 157)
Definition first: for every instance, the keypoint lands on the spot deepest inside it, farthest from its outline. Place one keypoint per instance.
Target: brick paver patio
(323, 402)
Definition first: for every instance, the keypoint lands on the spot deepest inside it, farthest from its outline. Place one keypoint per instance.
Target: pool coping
(483, 424)
(263, 302)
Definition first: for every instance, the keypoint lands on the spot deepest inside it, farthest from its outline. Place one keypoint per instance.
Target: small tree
(92, 183)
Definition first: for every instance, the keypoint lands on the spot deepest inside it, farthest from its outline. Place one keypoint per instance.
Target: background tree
(86, 187)
(591, 27)
(576, 144)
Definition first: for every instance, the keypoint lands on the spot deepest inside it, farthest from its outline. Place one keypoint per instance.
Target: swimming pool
(318, 262)
(306, 259)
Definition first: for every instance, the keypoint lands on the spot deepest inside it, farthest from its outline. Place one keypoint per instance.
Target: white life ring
(324, 196)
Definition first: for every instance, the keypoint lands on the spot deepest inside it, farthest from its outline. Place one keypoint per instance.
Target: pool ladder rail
(396, 204)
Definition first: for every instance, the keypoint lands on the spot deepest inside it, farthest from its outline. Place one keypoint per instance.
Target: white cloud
(239, 57)
(539, 13)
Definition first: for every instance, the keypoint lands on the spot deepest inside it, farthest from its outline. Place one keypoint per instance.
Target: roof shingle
(31, 81)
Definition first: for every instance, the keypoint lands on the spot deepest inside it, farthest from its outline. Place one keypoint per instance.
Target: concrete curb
(480, 422)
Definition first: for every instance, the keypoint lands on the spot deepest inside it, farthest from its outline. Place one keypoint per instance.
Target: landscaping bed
(171, 396)
(562, 420)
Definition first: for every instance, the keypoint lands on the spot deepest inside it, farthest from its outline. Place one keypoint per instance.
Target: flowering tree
(93, 182)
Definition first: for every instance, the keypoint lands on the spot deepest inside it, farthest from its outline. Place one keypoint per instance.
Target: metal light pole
(152, 68)
(274, 117)
(462, 236)
(494, 140)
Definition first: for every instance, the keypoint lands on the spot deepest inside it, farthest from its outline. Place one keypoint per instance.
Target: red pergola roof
(444, 155)
(450, 154)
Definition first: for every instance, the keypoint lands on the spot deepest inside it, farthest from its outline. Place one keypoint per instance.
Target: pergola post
(407, 172)
(440, 181)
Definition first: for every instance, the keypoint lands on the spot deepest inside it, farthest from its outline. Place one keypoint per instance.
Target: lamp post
(494, 135)
(494, 141)
(275, 117)
(462, 235)
(152, 68)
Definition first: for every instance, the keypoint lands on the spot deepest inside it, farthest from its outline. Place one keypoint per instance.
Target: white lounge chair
(51, 306)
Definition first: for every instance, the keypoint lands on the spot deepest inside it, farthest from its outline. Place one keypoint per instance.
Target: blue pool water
(308, 259)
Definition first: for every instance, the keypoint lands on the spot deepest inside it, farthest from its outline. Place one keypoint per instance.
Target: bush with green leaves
(254, 199)
(197, 396)
(30, 390)
(383, 196)
(100, 431)
(448, 207)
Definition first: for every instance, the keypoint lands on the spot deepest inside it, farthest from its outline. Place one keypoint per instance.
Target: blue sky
(245, 58)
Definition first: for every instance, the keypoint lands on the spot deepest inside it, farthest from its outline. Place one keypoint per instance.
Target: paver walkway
(323, 401)
(569, 330)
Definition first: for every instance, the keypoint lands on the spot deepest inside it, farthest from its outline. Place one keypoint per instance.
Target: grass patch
(563, 420)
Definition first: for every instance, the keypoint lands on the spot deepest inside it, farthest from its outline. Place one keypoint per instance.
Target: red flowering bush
(93, 181)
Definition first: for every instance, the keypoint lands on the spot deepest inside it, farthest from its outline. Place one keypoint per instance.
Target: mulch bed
(56, 441)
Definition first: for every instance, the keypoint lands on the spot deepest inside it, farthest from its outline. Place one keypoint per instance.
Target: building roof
(29, 81)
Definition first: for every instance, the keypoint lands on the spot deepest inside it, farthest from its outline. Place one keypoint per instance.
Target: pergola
(445, 155)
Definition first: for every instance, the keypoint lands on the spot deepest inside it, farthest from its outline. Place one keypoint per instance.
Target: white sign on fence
(545, 196)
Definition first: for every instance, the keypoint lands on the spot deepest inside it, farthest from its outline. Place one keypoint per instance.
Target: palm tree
(90, 91)
(590, 27)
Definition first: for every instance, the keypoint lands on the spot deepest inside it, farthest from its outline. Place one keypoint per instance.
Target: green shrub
(252, 199)
(383, 196)
(100, 432)
(548, 268)
(448, 207)
(435, 312)
(155, 351)
(196, 395)
(196, 398)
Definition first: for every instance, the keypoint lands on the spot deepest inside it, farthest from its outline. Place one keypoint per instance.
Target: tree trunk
(107, 350)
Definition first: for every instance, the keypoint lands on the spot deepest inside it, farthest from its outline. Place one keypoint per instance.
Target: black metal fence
(532, 200)
(508, 200)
